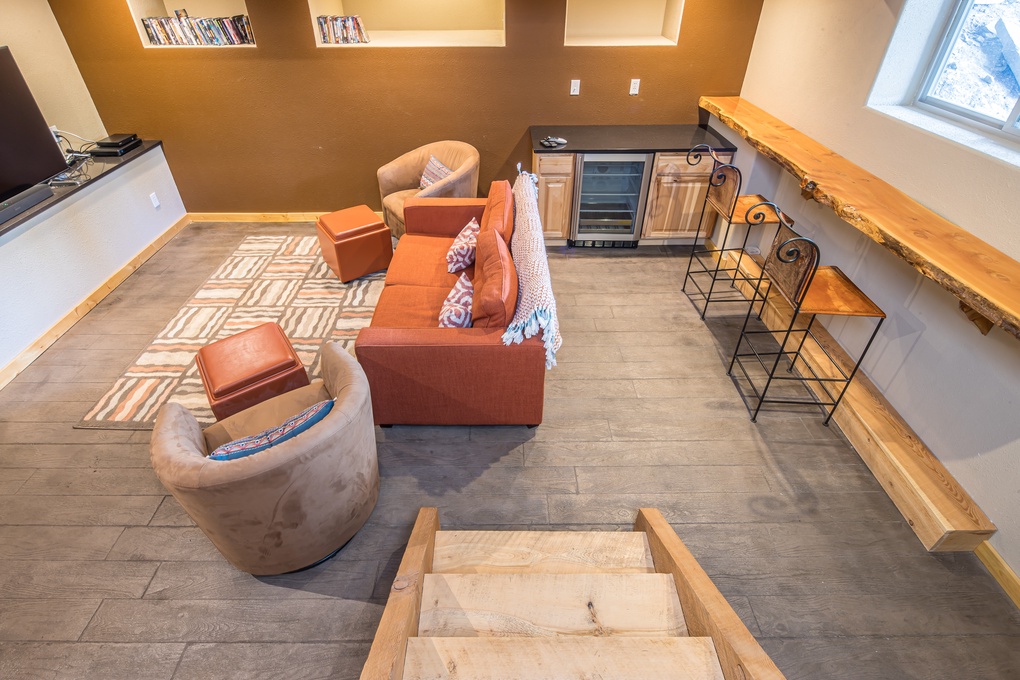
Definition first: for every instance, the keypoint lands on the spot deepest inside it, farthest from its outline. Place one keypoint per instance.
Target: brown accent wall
(288, 127)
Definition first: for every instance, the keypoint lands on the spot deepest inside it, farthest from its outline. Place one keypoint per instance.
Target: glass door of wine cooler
(610, 202)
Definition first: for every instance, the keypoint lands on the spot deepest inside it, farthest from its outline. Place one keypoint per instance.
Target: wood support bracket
(807, 188)
(983, 323)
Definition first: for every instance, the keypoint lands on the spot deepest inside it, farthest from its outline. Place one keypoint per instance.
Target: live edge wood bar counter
(986, 281)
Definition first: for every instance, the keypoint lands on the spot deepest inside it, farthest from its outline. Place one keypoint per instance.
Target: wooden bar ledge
(984, 279)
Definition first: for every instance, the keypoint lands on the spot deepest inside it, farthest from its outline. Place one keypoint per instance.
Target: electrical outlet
(635, 86)
(155, 199)
(53, 130)
(575, 87)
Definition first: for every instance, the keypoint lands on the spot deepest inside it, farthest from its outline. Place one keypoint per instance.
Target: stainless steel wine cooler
(609, 204)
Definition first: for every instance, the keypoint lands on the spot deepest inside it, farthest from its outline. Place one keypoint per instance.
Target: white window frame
(925, 101)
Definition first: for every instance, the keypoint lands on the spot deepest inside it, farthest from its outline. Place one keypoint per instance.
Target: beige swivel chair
(290, 506)
(399, 179)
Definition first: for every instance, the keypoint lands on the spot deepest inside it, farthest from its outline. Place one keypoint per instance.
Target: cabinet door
(555, 191)
(676, 197)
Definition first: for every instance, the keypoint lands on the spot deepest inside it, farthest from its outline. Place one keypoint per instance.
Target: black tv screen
(28, 152)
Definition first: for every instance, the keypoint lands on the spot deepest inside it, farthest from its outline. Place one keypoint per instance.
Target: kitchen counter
(626, 138)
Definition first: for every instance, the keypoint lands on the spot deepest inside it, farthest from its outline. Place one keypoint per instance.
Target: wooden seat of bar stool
(833, 294)
(707, 265)
(791, 270)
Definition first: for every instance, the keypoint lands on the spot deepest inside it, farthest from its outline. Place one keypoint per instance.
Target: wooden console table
(986, 280)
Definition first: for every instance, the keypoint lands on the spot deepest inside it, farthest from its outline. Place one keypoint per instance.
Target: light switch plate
(575, 87)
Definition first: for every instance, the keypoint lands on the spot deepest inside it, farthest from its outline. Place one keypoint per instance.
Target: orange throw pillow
(495, 283)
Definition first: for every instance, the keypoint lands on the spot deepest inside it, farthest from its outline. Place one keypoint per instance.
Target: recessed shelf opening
(408, 23)
(209, 23)
(610, 23)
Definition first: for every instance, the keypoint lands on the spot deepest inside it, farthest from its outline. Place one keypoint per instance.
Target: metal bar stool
(706, 266)
(791, 269)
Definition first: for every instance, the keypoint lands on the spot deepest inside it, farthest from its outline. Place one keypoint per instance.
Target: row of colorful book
(341, 30)
(184, 30)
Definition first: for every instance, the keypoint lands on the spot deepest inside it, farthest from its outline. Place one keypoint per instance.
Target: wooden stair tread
(541, 552)
(561, 658)
(536, 605)
(428, 616)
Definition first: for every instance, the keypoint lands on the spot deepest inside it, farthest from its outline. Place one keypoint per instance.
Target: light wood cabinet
(555, 192)
(676, 195)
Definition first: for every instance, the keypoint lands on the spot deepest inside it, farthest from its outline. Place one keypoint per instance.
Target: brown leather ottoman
(354, 242)
(248, 368)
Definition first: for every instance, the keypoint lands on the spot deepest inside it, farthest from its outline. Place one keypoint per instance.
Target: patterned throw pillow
(290, 428)
(434, 171)
(462, 253)
(456, 311)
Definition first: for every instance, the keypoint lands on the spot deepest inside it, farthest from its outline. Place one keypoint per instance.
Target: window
(975, 71)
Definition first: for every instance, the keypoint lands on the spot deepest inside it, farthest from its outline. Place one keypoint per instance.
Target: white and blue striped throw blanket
(536, 306)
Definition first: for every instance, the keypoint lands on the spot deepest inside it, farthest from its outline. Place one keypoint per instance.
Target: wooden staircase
(488, 605)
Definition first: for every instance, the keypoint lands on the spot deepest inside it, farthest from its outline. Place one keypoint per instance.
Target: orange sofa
(421, 374)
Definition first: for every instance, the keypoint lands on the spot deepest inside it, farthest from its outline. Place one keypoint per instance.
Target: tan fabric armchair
(294, 504)
(399, 179)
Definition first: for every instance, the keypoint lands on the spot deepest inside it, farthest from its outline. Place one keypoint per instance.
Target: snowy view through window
(983, 67)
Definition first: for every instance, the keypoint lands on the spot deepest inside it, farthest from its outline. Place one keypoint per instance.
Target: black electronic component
(116, 141)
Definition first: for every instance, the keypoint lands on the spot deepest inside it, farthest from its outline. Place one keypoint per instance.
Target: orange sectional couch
(421, 374)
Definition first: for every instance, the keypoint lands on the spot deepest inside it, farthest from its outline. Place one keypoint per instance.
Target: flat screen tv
(28, 153)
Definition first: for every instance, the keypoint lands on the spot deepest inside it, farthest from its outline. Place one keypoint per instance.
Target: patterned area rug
(268, 278)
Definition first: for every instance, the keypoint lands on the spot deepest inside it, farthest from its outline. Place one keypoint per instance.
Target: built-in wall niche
(413, 23)
(192, 23)
(615, 23)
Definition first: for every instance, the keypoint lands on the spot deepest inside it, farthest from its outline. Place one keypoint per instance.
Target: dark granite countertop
(626, 138)
(95, 169)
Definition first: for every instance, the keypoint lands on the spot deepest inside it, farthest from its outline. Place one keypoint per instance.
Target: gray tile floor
(103, 576)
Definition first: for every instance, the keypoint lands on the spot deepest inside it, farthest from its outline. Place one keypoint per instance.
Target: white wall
(29, 28)
(812, 66)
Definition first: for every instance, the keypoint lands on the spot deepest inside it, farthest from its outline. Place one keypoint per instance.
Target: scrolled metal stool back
(695, 154)
(724, 182)
(793, 259)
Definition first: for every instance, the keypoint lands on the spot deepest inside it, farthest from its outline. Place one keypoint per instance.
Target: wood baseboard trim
(30, 354)
(939, 510)
(257, 217)
(263, 217)
(999, 570)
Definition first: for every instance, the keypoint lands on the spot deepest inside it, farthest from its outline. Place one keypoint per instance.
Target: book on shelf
(241, 21)
(179, 35)
(149, 31)
(183, 29)
(341, 30)
(217, 27)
